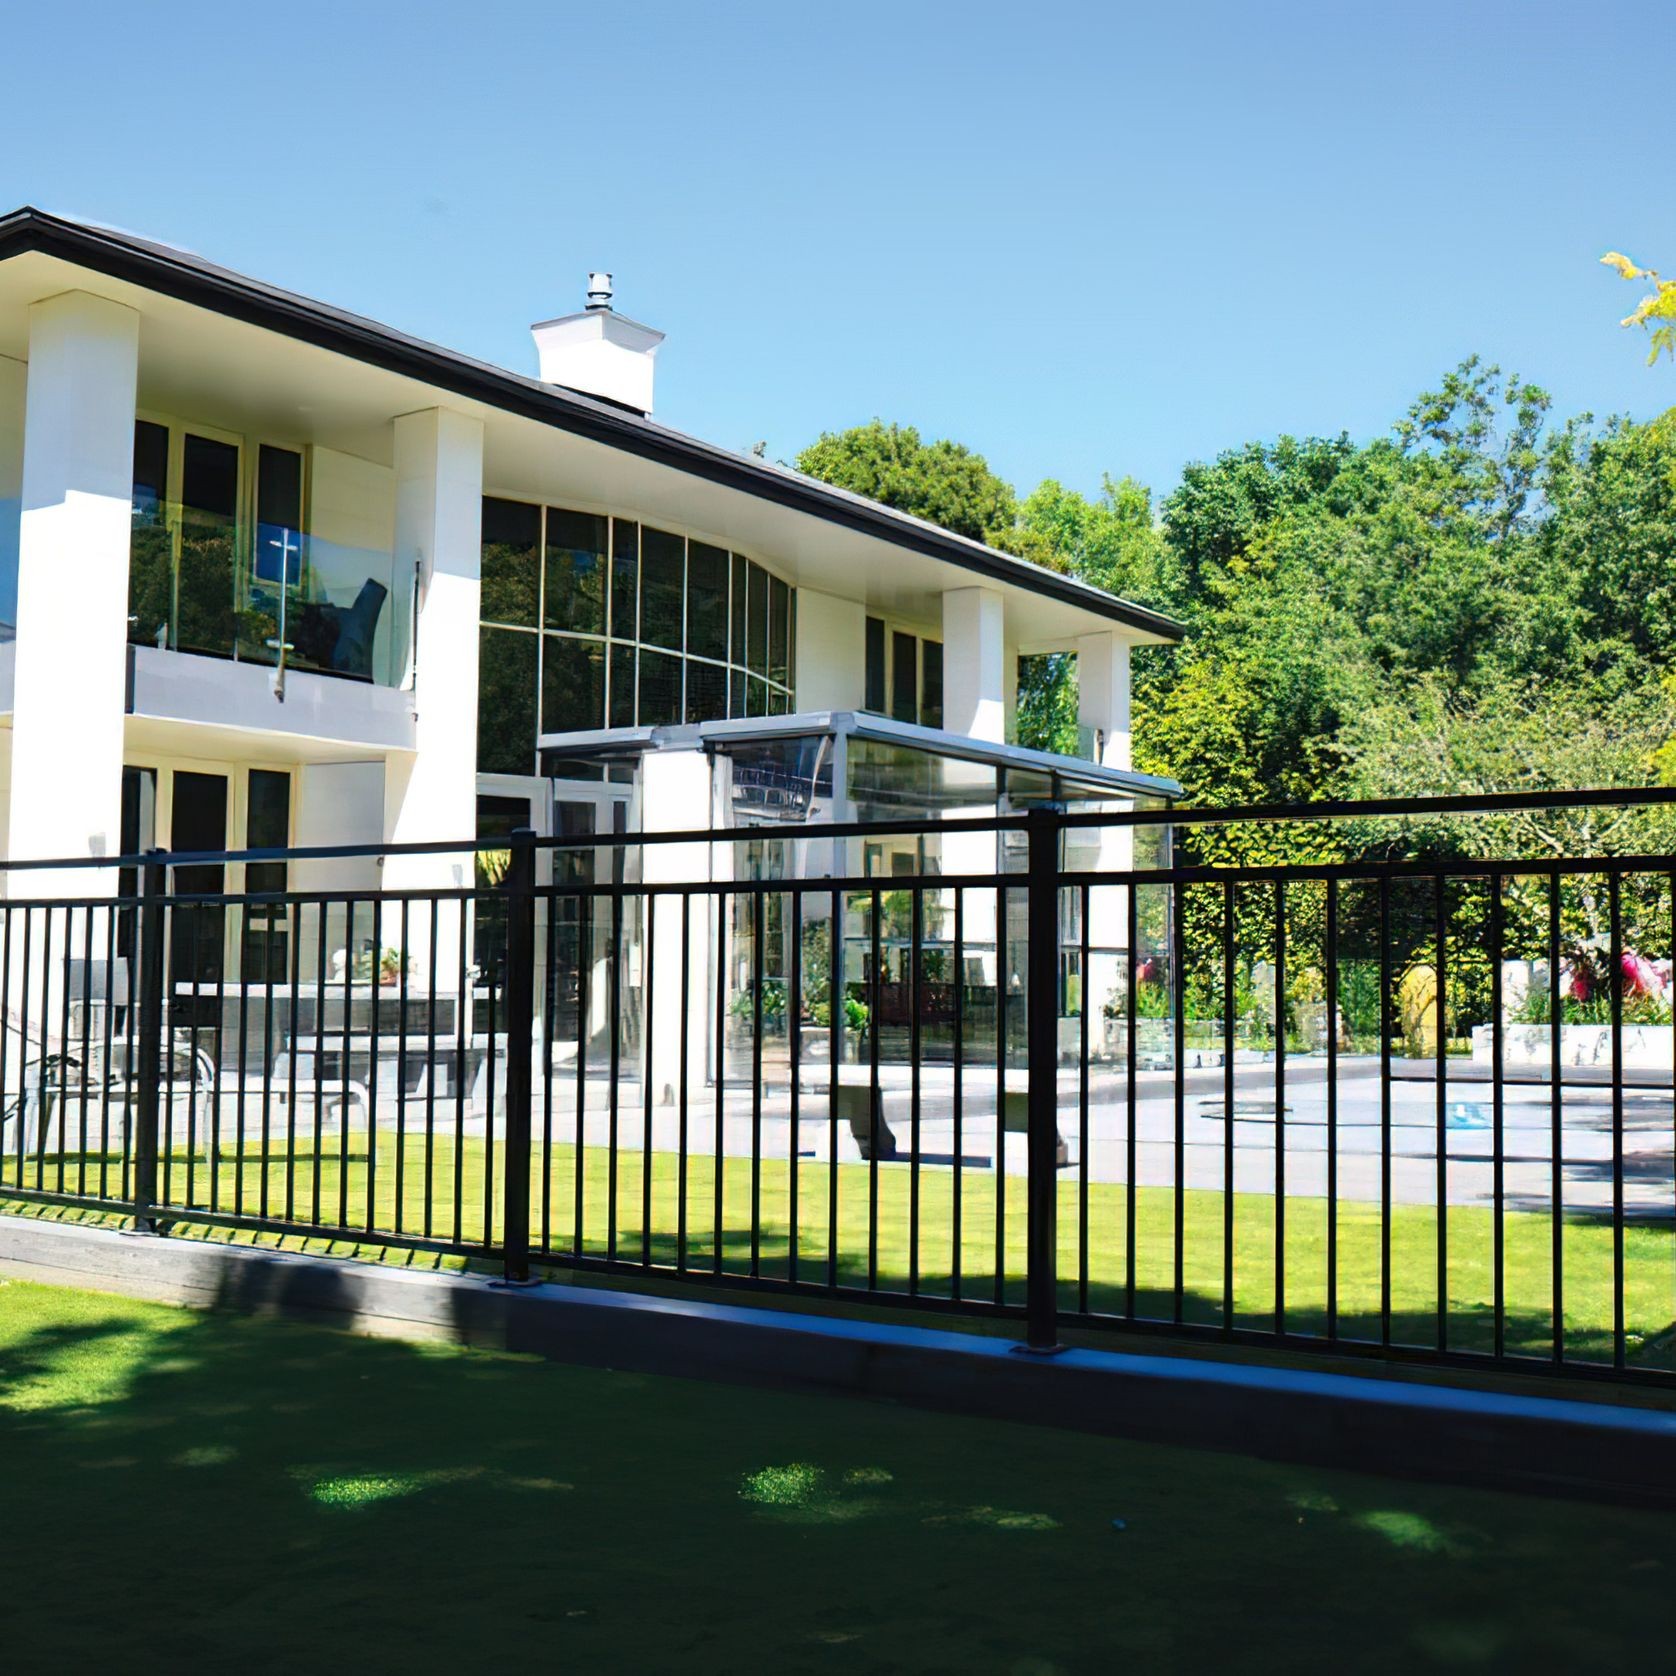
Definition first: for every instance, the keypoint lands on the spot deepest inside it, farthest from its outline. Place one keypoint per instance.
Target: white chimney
(599, 352)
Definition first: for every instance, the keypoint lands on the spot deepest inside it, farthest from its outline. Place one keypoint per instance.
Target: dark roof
(176, 273)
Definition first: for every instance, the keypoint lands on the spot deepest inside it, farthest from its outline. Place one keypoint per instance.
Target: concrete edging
(1548, 1445)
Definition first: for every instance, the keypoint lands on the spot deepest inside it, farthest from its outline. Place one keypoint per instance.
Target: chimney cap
(599, 291)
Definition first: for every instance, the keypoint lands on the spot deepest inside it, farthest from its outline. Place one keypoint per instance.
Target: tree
(1656, 311)
(942, 482)
(1112, 542)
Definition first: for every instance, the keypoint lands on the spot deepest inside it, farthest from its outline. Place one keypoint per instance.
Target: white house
(274, 574)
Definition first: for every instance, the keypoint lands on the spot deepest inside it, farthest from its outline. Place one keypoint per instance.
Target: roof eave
(191, 280)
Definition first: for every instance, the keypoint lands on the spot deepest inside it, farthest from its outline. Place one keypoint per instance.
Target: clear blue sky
(1077, 238)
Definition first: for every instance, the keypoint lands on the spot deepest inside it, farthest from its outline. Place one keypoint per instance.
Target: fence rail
(1420, 1107)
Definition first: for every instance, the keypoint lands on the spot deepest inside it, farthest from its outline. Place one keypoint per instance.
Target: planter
(1646, 1047)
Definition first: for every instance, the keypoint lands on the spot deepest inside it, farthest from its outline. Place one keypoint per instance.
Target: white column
(1103, 696)
(675, 797)
(1103, 709)
(974, 664)
(72, 611)
(430, 794)
(831, 652)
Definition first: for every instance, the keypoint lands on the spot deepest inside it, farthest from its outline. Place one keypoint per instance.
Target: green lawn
(1649, 1255)
(218, 1492)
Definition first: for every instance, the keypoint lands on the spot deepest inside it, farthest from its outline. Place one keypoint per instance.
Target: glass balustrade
(199, 582)
(11, 516)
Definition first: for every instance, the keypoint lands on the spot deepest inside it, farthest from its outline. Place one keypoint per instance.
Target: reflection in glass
(707, 609)
(506, 702)
(625, 579)
(778, 594)
(904, 677)
(575, 571)
(572, 684)
(204, 578)
(736, 635)
(662, 587)
(931, 683)
(622, 687)
(756, 622)
(511, 562)
(706, 691)
(873, 697)
(660, 689)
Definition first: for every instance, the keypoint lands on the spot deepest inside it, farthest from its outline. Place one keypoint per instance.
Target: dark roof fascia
(176, 274)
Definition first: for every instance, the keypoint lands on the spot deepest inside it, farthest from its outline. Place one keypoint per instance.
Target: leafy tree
(941, 482)
(1656, 311)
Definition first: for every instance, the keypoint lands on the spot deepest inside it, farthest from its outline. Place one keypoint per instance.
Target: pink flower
(1581, 985)
(1639, 977)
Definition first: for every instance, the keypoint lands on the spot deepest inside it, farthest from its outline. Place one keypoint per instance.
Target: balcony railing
(201, 582)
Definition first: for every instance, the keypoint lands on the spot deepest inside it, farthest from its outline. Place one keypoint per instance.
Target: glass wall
(590, 622)
(11, 517)
(219, 563)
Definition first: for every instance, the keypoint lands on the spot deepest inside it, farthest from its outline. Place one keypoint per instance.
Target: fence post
(1042, 829)
(154, 890)
(520, 1032)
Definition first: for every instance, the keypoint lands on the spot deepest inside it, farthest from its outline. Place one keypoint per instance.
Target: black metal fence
(1092, 1069)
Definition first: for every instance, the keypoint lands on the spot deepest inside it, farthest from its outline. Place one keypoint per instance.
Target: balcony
(201, 582)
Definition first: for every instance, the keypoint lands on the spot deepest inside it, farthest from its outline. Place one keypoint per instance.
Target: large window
(593, 622)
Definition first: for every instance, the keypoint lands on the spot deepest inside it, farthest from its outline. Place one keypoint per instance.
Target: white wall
(1103, 695)
(675, 791)
(71, 668)
(337, 803)
(831, 652)
(13, 380)
(975, 664)
(352, 505)
(431, 795)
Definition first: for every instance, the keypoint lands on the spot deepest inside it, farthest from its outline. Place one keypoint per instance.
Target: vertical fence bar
(794, 1058)
(549, 1023)
(462, 1045)
(86, 1027)
(6, 913)
(614, 1074)
(1615, 984)
(1331, 935)
(1498, 1115)
(1280, 1106)
(520, 1034)
(430, 1063)
(1042, 828)
(837, 1020)
(759, 936)
(1000, 1289)
(584, 1000)
(1083, 1049)
(401, 1065)
(1178, 986)
(1131, 1058)
(1385, 1108)
(957, 1185)
(916, 898)
(649, 972)
(108, 1031)
(154, 886)
(875, 1106)
(1441, 932)
(682, 1090)
(1556, 1125)
(1229, 953)
(23, 1055)
(717, 1195)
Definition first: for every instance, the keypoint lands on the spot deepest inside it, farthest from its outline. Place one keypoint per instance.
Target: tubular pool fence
(1415, 1099)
